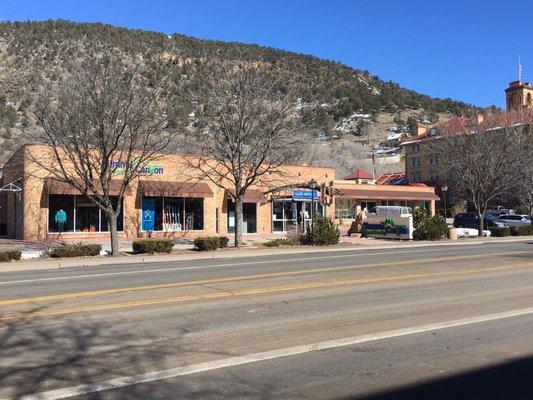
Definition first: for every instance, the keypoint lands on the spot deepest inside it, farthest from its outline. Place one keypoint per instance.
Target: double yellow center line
(254, 291)
(314, 271)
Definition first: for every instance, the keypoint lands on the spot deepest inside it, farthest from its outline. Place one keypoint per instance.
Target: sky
(463, 49)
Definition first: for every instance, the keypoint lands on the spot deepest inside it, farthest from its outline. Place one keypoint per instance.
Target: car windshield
(490, 217)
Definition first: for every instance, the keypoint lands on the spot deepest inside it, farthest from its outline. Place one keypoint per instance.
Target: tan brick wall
(425, 169)
(35, 198)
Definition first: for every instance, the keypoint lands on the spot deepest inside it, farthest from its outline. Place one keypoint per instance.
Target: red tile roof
(390, 179)
(358, 174)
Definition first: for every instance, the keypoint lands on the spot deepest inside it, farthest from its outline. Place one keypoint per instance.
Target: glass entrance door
(293, 216)
(249, 217)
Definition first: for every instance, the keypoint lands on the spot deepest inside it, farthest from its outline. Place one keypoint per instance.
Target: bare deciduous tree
(480, 161)
(246, 129)
(525, 171)
(103, 128)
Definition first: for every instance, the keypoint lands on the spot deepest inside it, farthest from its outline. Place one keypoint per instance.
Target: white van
(391, 211)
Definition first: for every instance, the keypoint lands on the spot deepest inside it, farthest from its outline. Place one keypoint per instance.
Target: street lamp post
(444, 189)
(312, 185)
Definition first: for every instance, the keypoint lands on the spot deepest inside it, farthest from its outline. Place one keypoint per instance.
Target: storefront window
(120, 219)
(60, 213)
(194, 214)
(172, 214)
(69, 213)
(87, 216)
(345, 208)
(277, 216)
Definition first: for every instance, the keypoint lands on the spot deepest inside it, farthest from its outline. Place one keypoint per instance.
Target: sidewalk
(362, 244)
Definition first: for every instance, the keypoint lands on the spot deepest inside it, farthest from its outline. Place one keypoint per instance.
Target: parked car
(497, 210)
(471, 220)
(516, 219)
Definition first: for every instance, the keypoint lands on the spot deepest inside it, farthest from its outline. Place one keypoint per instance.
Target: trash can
(452, 234)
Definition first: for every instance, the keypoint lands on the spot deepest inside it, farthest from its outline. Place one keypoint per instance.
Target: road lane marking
(103, 292)
(235, 264)
(254, 291)
(268, 355)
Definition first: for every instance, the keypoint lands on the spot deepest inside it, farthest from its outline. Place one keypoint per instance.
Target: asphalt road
(433, 322)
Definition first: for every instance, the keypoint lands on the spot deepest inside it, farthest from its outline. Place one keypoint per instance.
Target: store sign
(388, 227)
(304, 194)
(119, 168)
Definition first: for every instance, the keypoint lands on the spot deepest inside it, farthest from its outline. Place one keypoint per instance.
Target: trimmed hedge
(526, 230)
(76, 250)
(500, 232)
(10, 255)
(279, 242)
(151, 246)
(209, 243)
(322, 232)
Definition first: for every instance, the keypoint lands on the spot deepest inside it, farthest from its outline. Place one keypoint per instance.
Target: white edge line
(263, 356)
(199, 267)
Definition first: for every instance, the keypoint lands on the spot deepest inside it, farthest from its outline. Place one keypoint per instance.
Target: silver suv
(516, 219)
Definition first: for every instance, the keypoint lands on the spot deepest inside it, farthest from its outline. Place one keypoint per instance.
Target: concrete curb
(51, 264)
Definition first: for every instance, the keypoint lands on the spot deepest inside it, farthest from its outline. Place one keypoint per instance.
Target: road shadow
(41, 354)
(509, 380)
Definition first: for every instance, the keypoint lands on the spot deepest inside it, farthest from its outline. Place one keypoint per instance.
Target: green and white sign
(389, 227)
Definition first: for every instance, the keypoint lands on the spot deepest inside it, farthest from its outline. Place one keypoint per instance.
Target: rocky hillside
(331, 95)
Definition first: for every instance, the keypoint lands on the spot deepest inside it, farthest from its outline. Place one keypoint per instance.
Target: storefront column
(432, 207)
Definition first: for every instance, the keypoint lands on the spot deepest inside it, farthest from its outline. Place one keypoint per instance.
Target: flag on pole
(519, 69)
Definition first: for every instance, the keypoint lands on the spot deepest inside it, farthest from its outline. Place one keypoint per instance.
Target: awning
(55, 186)
(387, 194)
(175, 189)
(250, 196)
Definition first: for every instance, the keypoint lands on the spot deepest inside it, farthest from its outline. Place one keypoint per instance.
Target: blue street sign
(304, 194)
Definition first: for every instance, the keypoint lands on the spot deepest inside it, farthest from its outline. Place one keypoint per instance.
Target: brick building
(167, 201)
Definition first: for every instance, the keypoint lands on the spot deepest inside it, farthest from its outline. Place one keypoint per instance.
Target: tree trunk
(481, 221)
(112, 222)
(238, 219)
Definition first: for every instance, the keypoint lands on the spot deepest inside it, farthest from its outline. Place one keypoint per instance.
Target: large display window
(345, 208)
(72, 213)
(172, 214)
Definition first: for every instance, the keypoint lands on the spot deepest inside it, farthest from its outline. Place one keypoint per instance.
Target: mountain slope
(329, 91)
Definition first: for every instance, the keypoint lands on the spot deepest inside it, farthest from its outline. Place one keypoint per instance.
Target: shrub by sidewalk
(500, 232)
(526, 230)
(322, 232)
(280, 242)
(209, 243)
(10, 255)
(152, 246)
(76, 250)
(428, 227)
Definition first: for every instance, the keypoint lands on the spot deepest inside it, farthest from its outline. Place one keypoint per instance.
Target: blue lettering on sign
(304, 194)
(119, 168)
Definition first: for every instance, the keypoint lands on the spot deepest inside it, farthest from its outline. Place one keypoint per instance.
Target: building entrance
(290, 215)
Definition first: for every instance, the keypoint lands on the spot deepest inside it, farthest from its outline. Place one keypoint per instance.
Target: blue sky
(463, 49)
